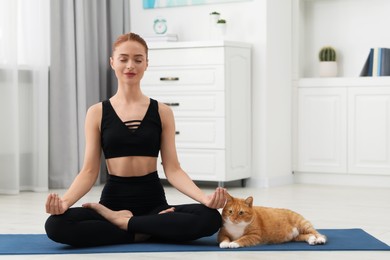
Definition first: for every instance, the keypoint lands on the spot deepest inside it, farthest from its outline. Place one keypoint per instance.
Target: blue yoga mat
(338, 239)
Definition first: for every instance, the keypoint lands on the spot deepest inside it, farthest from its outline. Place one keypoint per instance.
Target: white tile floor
(324, 206)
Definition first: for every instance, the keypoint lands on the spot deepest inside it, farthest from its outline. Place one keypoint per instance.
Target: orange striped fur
(248, 225)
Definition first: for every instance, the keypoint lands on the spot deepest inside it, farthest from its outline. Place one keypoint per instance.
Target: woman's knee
(52, 227)
(211, 221)
(215, 218)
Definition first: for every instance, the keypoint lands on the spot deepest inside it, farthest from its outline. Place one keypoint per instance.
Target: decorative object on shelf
(221, 26)
(160, 29)
(221, 22)
(377, 63)
(160, 26)
(150, 4)
(214, 17)
(217, 26)
(328, 63)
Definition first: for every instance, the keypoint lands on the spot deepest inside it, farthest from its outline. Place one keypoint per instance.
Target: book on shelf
(161, 38)
(377, 63)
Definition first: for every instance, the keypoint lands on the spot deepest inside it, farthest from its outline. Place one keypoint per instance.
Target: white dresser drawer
(205, 165)
(193, 104)
(183, 57)
(200, 133)
(184, 79)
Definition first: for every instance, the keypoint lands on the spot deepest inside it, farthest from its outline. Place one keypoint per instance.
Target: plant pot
(213, 26)
(214, 18)
(221, 29)
(328, 69)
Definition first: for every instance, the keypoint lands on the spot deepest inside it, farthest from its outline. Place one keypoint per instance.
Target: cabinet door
(203, 133)
(189, 78)
(369, 130)
(322, 130)
(200, 164)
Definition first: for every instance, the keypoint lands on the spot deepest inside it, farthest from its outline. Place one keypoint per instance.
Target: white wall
(352, 29)
(266, 24)
(191, 23)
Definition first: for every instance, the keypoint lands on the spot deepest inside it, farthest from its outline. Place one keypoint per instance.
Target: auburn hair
(130, 37)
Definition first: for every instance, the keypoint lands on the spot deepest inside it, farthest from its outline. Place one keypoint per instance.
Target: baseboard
(355, 180)
(267, 182)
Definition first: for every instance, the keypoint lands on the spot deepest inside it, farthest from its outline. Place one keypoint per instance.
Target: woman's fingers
(220, 197)
(49, 203)
(53, 204)
(217, 199)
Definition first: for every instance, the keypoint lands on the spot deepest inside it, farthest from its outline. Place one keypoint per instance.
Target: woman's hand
(216, 200)
(55, 205)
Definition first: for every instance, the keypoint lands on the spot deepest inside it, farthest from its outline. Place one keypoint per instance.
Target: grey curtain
(82, 33)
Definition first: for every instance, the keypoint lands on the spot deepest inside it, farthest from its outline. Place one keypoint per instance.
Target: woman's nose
(129, 65)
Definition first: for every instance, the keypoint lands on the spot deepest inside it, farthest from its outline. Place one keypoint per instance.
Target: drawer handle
(173, 104)
(169, 79)
(177, 132)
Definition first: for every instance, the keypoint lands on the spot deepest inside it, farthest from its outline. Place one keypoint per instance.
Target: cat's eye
(240, 213)
(230, 211)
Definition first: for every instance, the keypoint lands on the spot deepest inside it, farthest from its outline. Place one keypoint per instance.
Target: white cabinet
(369, 130)
(322, 130)
(208, 86)
(344, 127)
(342, 124)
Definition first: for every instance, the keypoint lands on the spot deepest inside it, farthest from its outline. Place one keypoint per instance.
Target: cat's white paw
(312, 240)
(224, 244)
(234, 245)
(321, 240)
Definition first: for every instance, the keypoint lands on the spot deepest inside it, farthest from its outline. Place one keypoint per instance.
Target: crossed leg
(118, 218)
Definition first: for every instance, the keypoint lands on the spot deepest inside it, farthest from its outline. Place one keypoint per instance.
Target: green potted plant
(221, 25)
(328, 62)
(214, 17)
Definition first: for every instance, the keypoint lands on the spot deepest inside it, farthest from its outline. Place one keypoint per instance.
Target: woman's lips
(129, 74)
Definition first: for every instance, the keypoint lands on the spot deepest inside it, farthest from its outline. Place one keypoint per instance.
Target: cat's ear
(249, 201)
(228, 197)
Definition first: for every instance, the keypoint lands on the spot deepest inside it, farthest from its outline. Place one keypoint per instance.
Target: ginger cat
(248, 225)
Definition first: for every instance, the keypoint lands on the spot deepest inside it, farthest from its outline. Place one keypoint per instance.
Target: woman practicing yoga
(131, 129)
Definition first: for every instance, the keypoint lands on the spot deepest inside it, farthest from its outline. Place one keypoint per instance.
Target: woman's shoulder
(164, 109)
(95, 108)
(94, 112)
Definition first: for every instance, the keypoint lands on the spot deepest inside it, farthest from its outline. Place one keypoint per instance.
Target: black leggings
(145, 198)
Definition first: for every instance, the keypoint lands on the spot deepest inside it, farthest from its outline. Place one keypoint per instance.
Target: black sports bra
(120, 139)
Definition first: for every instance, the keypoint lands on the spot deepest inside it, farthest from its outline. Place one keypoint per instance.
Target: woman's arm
(174, 173)
(90, 171)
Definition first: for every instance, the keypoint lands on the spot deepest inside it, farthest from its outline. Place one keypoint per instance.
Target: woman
(131, 129)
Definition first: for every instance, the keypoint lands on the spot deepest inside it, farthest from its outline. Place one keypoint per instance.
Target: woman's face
(129, 62)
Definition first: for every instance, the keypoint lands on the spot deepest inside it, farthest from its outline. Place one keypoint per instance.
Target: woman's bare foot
(118, 218)
(171, 209)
